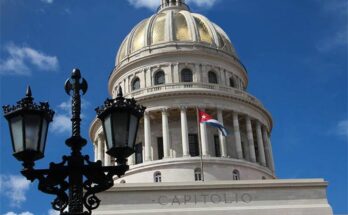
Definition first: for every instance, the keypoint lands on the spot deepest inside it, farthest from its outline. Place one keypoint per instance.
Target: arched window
(136, 84)
(122, 182)
(232, 83)
(198, 174)
(236, 175)
(186, 75)
(157, 177)
(212, 77)
(160, 78)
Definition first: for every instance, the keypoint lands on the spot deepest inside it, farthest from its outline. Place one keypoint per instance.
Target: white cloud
(342, 128)
(202, 3)
(150, 4)
(339, 39)
(338, 10)
(154, 4)
(53, 212)
(14, 187)
(20, 59)
(47, 1)
(23, 213)
(62, 122)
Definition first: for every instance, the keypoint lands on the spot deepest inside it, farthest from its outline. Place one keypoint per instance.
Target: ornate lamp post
(75, 180)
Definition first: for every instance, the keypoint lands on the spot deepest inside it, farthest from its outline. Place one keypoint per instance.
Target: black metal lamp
(28, 124)
(120, 120)
(76, 180)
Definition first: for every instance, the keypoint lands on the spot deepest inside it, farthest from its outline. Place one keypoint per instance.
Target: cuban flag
(207, 119)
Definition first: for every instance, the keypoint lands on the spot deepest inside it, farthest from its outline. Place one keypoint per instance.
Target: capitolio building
(175, 62)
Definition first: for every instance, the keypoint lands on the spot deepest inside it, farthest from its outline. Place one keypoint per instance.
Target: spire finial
(28, 92)
(173, 4)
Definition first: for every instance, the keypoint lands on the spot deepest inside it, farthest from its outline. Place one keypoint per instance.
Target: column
(165, 133)
(147, 136)
(204, 139)
(270, 154)
(267, 149)
(100, 147)
(237, 136)
(184, 133)
(222, 138)
(250, 139)
(95, 146)
(176, 73)
(261, 151)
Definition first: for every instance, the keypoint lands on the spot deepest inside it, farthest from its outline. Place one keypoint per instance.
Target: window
(212, 77)
(157, 177)
(198, 174)
(236, 175)
(136, 84)
(193, 145)
(138, 153)
(186, 75)
(160, 147)
(217, 146)
(159, 78)
(232, 83)
(263, 178)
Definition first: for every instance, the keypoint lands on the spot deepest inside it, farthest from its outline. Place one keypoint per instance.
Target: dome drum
(155, 149)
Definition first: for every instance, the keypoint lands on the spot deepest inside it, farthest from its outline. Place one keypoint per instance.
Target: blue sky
(295, 52)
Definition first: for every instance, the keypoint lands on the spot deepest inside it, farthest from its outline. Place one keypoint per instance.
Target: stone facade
(174, 63)
(268, 197)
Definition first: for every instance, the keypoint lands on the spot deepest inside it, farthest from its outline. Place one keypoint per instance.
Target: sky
(295, 51)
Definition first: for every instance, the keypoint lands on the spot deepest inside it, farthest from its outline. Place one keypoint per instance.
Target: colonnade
(253, 128)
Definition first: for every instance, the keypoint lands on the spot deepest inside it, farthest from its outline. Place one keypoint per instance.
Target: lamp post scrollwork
(76, 180)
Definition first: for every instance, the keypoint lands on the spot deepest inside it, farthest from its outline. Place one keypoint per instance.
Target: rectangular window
(160, 147)
(138, 153)
(193, 145)
(217, 146)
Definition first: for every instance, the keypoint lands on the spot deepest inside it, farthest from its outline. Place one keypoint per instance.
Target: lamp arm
(52, 181)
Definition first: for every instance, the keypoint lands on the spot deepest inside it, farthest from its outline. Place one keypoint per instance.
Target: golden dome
(175, 24)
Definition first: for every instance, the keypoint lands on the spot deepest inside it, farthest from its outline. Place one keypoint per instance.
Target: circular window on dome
(159, 78)
(136, 84)
(212, 77)
(186, 75)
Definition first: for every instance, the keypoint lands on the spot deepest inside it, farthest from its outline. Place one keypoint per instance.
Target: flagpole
(200, 143)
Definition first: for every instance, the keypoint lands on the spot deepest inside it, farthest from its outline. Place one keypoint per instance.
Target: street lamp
(75, 180)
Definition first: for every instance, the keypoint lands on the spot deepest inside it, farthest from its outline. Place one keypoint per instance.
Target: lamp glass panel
(133, 124)
(17, 133)
(32, 131)
(43, 135)
(120, 129)
(108, 132)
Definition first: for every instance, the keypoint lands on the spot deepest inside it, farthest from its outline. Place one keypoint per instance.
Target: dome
(174, 63)
(174, 25)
